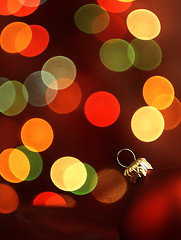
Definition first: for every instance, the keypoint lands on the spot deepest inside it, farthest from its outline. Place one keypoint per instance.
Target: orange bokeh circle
(37, 134)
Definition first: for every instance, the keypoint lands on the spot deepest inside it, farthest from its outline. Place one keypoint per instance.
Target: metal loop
(125, 149)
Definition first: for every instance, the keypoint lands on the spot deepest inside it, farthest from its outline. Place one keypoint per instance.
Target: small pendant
(136, 169)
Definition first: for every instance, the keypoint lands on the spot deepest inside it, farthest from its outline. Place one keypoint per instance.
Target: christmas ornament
(152, 207)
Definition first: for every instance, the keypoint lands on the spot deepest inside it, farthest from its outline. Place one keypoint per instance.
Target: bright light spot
(7, 95)
(68, 173)
(21, 99)
(117, 55)
(26, 10)
(37, 134)
(116, 29)
(39, 41)
(148, 54)
(30, 3)
(8, 7)
(90, 182)
(172, 114)
(102, 109)
(35, 161)
(66, 100)
(5, 170)
(114, 6)
(147, 124)
(19, 164)
(158, 92)
(37, 89)
(49, 199)
(111, 186)
(15, 37)
(9, 200)
(63, 70)
(143, 24)
(91, 18)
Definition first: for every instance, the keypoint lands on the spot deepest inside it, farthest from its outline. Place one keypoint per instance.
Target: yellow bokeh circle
(143, 24)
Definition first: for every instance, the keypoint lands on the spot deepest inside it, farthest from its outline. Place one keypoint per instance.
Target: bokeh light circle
(9, 200)
(117, 55)
(37, 89)
(116, 29)
(49, 199)
(19, 164)
(68, 173)
(35, 161)
(114, 6)
(39, 42)
(15, 37)
(26, 10)
(20, 101)
(148, 54)
(111, 186)
(158, 92)
(147, 124)
(102, 109)
(91, 18)
(63, 69)
(172, 114)
(143, 24)
(5, 170)
(7, 95)
(66, 100)
(90, 182)
(30, 3)
(37, 134)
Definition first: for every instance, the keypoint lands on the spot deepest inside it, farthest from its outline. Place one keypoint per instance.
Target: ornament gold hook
(136, 169)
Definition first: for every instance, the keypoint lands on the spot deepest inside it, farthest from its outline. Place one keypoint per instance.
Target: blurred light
(143, 24)
(30, 3)
(39, 41)
(68, 173)
(147, 124)
(3, 80)
(5, 170)
(15, 37)
(148, 54)
(9, 200)
(172, 114)
(63, 70)
(43, 1)
(9, 133)
(8, 7)
(117, 55)
(91, 18)
(25, 10)
(102, 109)
(20, 102)
(158, 92)
(37, 89)
(111, 186)
(66, 100)
(35, 161)
(116, 29)
(114, 6)
(71, 203)
(90, 182)
(50, 199)
(37, 134)
(7, 95)
(19, 164)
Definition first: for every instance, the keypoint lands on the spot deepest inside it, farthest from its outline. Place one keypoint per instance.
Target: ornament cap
(136, 169)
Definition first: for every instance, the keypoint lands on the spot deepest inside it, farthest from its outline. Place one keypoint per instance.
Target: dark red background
(74, 135)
